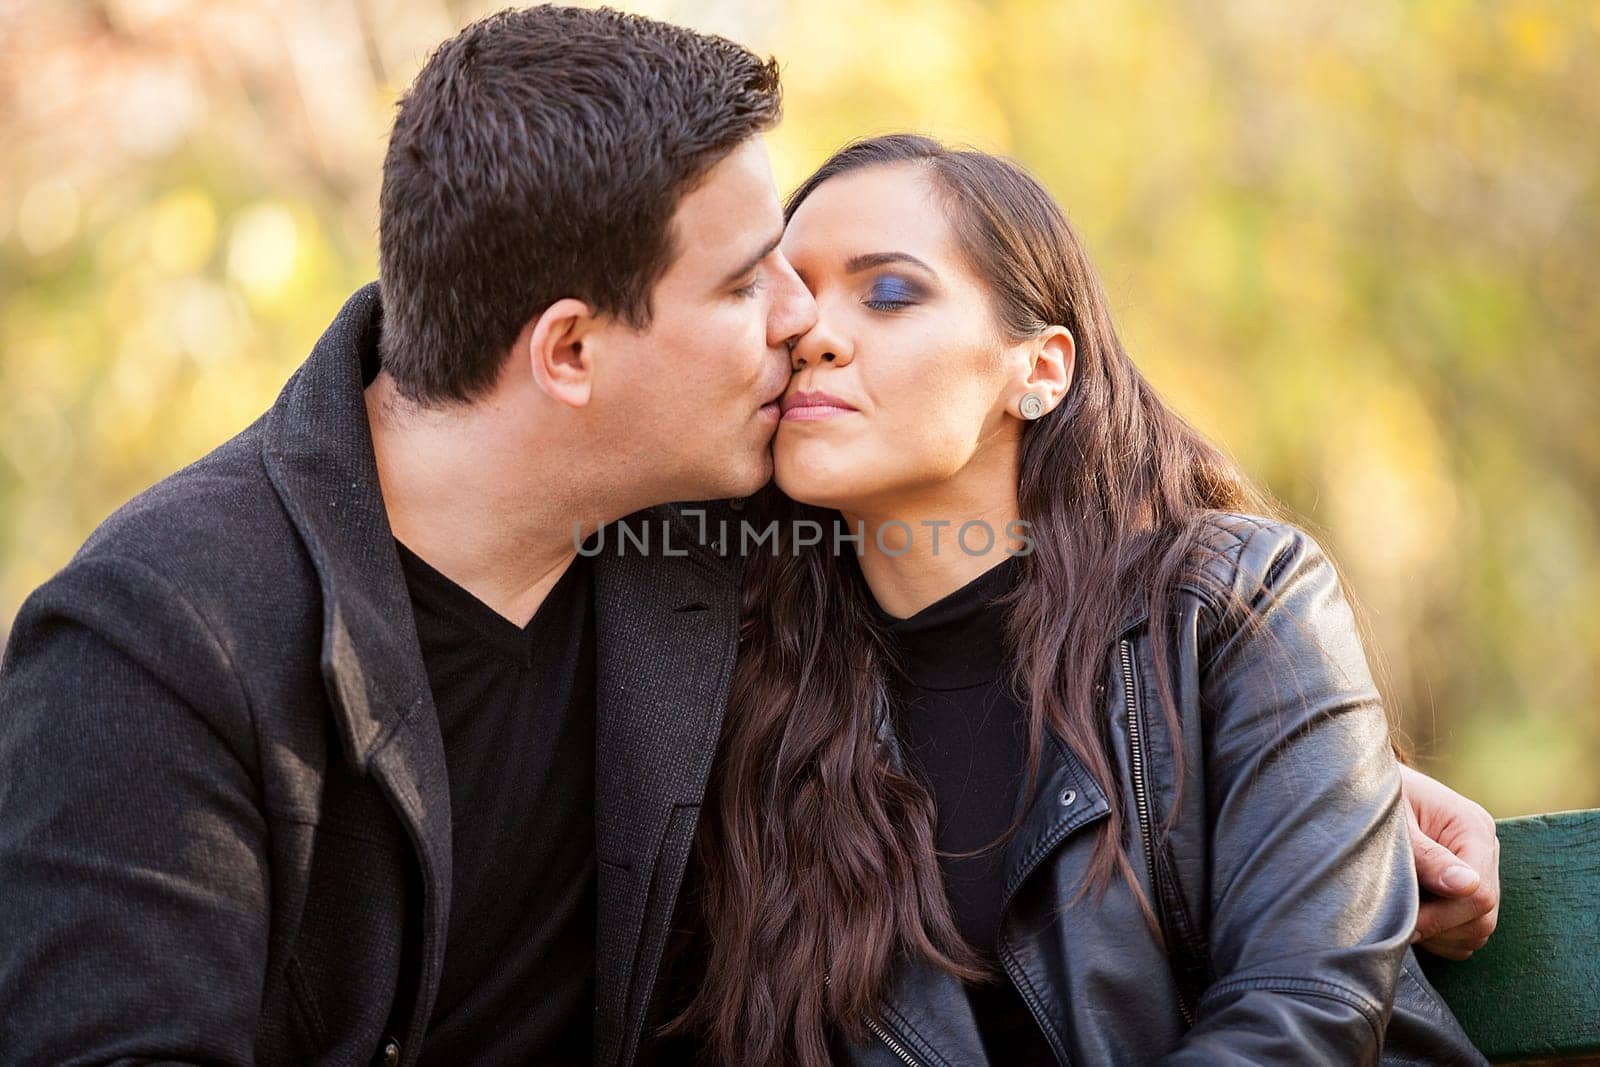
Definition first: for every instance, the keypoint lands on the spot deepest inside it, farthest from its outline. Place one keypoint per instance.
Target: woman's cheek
(934, 443)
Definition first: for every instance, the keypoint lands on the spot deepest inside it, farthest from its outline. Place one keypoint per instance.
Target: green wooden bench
(1532, 994)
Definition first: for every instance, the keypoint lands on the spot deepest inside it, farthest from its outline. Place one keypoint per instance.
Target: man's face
(692, 399)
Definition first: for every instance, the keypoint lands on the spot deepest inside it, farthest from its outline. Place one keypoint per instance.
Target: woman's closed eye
(890, 293)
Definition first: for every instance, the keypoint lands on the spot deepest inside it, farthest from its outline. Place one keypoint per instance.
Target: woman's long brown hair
(816, 855)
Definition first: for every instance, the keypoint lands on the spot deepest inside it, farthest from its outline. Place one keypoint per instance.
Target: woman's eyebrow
(868, 260)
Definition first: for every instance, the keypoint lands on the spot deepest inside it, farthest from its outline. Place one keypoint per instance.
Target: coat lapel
(1066, 799)
(317, 448)
(927, 1009)
(666, 630)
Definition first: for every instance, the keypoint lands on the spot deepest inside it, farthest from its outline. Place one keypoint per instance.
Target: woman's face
(905, 382)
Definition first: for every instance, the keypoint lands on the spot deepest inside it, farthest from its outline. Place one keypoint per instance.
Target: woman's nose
(819, 345)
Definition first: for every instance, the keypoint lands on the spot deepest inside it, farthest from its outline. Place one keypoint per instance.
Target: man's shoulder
(210, 534)
(219, 502)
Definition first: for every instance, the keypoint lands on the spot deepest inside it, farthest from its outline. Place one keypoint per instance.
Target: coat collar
(1066, 799)
(928, 1009)
(317, 448)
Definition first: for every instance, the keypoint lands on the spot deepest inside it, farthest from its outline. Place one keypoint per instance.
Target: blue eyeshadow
(893, 290)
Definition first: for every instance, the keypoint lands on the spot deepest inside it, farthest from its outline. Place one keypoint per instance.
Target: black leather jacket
(1286, 887)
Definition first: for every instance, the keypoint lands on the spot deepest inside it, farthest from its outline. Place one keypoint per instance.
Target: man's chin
(740, 476)
(757, 476)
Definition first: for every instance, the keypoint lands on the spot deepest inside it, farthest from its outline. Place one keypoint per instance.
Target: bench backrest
(1533, 992)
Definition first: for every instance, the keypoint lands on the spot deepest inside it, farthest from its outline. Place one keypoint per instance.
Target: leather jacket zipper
(1141, 800)
(882, 1034)
(1136, 769)
(894, 1046)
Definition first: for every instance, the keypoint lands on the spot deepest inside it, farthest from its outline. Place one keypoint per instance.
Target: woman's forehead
(889, 207)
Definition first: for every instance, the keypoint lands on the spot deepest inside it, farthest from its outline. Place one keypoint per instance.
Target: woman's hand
(1458, 860)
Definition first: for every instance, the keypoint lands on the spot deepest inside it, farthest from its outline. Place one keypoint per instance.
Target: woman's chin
(805, 491)
(821, 485)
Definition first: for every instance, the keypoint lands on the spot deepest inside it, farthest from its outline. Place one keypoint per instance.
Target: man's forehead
(732, 214)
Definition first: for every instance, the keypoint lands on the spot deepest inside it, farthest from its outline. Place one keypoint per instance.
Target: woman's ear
(1053, 361)
(558, 346)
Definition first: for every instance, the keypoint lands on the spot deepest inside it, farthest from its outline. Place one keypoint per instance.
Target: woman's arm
(1313, 895)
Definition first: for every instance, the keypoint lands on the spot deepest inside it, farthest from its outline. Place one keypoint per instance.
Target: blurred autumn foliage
(1355, 243)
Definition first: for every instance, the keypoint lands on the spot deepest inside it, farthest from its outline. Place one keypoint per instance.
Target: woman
(1106, 783)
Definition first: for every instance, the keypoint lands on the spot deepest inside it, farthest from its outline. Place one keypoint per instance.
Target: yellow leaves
(263, 251)
(1354, 242)
(182, 228)
(37, 440)
(1536, 39)
(851, 70)
(1386, 471)
(48, 216)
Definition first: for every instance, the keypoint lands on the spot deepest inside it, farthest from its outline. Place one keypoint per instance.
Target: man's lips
(771, 409)
(803, 406)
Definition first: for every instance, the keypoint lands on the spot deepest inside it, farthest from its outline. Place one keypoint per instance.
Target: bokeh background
(1356, 243)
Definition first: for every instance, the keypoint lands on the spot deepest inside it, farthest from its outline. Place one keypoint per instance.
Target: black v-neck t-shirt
(516, 710)
(964, 732)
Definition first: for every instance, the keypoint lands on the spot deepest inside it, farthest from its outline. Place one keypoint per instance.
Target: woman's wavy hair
(816, 857)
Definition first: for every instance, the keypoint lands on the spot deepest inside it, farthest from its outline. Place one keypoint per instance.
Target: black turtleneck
(964, 733)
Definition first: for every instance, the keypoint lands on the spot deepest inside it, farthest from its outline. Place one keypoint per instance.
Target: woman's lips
(809, 407)
(812, 412)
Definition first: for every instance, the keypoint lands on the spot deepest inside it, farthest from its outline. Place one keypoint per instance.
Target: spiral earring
(1031, 405)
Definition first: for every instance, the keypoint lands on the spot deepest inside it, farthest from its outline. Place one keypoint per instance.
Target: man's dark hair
(540, 154)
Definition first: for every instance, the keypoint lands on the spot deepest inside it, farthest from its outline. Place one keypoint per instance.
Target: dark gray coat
(224, 820)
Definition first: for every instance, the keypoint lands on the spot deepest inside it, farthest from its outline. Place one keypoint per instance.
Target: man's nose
(794, 309)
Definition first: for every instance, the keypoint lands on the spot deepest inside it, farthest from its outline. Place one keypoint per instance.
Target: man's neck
(486, 499)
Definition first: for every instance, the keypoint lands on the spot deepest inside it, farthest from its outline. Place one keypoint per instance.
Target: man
(331, 747)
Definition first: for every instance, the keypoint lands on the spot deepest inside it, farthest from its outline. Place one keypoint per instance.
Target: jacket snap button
(1068, 796)
(391, 1053)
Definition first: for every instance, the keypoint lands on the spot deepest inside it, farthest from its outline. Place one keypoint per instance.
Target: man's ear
(555, 347)
(1054, 360)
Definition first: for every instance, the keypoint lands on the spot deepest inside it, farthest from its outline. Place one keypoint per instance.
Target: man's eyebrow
(866, 261)
(750, 264)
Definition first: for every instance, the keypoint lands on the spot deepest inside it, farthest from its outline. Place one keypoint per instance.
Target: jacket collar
(1066, 799)
(317, 448)
(927, 1009)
